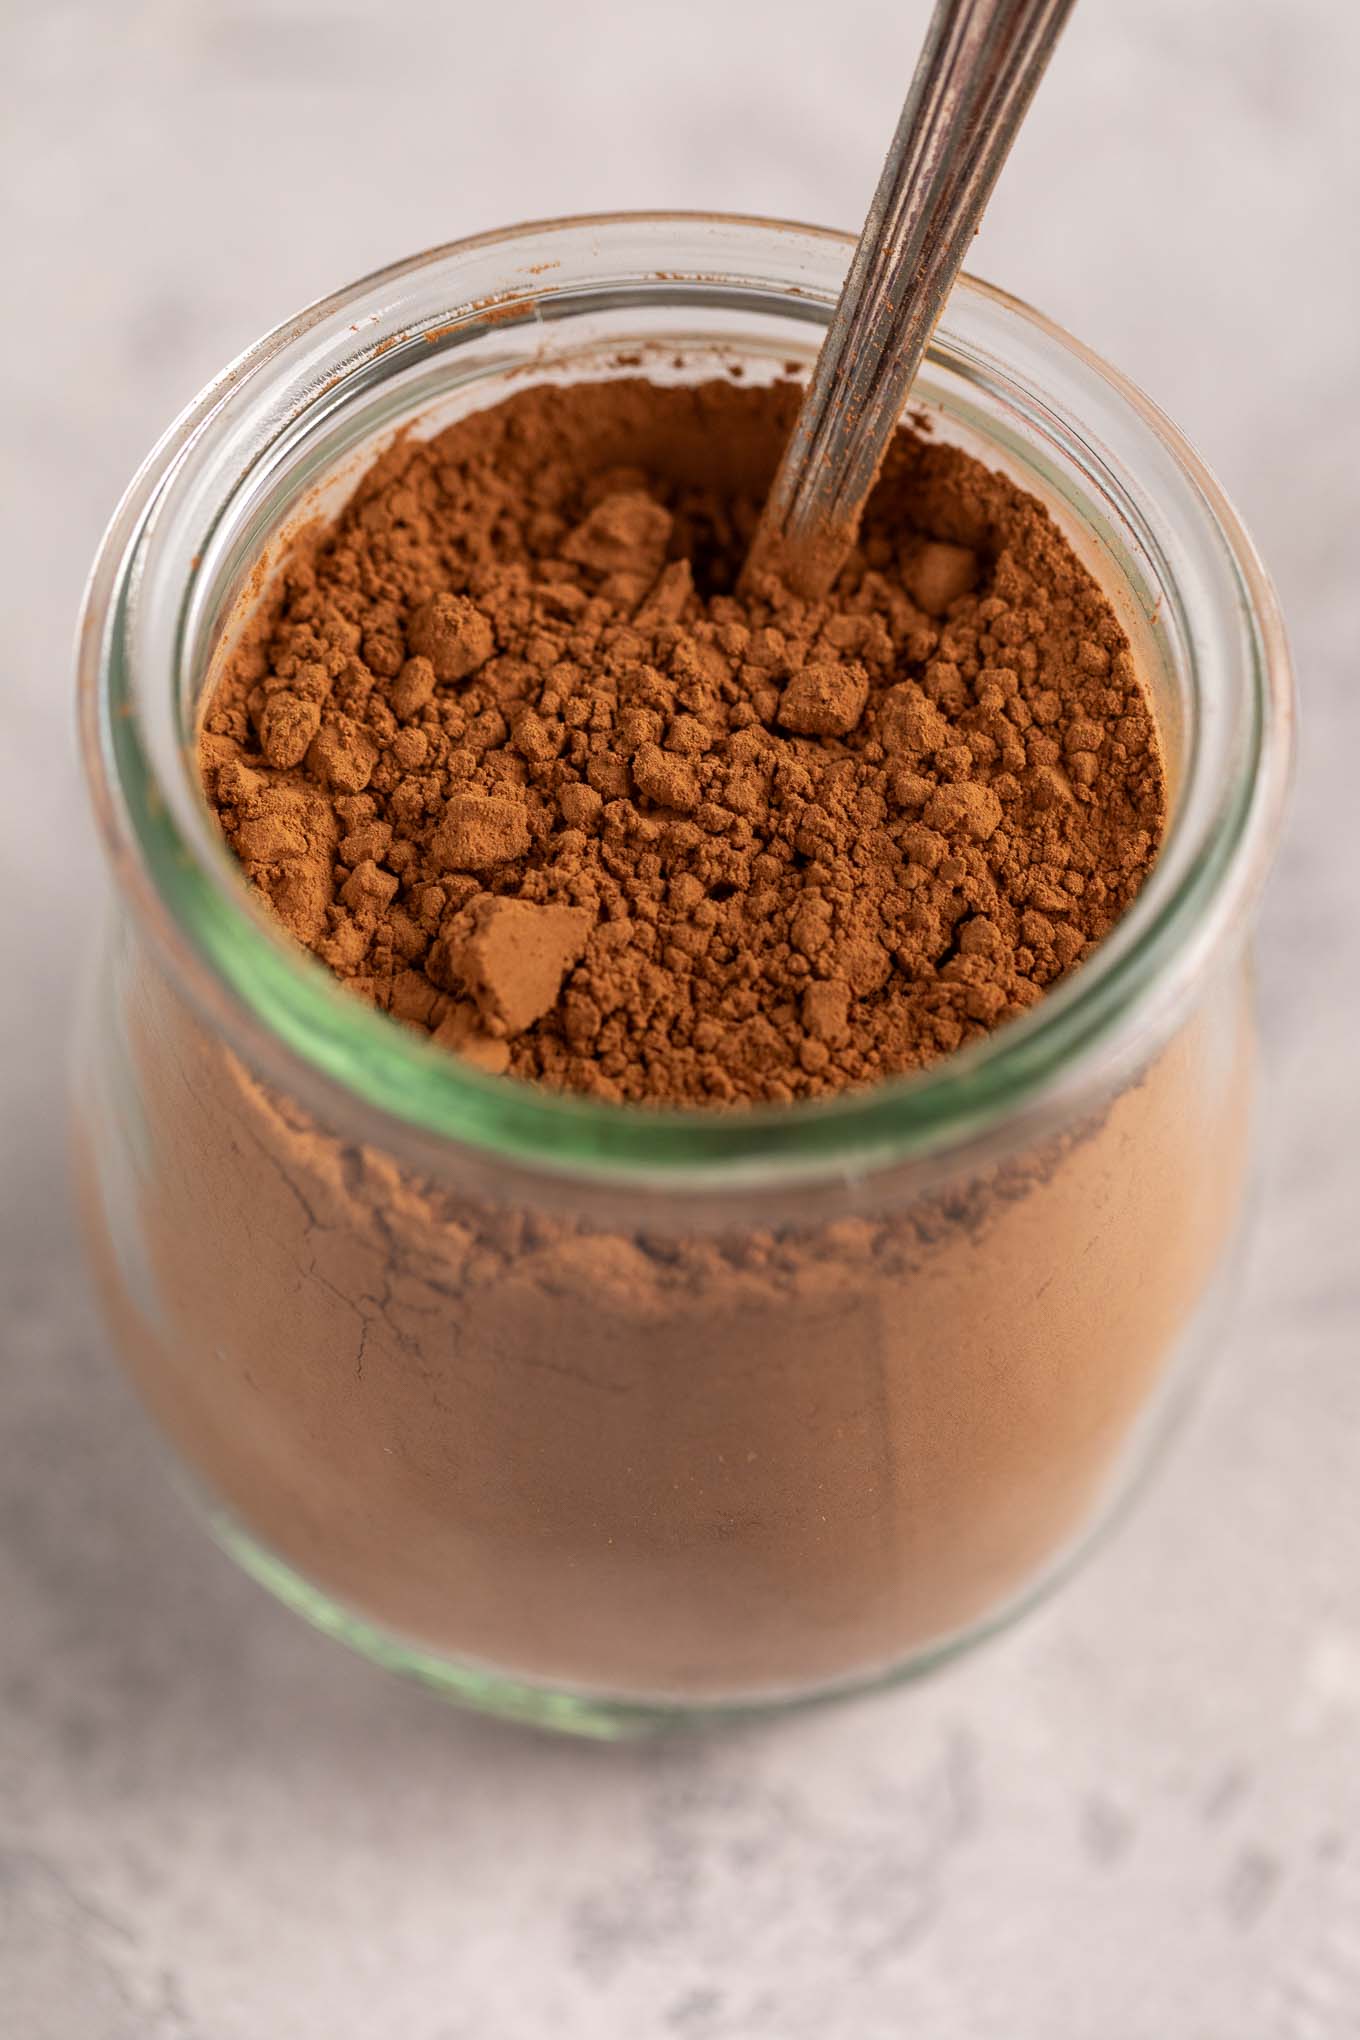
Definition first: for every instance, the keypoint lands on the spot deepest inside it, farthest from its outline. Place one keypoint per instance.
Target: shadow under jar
(602, 1416)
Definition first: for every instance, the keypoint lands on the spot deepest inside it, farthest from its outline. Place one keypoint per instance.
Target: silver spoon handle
(976, 76)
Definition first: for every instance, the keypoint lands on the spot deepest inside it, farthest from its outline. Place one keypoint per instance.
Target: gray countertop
(1136, 1818)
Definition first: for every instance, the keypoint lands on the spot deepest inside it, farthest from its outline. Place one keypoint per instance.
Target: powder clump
(517, 758)
(515, 957)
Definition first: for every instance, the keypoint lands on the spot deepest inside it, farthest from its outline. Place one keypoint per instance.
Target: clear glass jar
(600, 1416)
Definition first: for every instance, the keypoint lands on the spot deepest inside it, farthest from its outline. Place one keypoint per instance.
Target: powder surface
(515, 757)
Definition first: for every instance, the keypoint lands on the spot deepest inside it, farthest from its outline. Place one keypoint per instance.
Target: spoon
(974, 81)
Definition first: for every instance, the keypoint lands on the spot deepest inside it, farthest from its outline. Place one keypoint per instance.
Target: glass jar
(602, 1416)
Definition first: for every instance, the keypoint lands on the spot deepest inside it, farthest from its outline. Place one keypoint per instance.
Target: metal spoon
(974, 81)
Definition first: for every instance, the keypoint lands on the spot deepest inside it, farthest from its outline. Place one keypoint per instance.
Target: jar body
(583, 1415)
(635, 1457)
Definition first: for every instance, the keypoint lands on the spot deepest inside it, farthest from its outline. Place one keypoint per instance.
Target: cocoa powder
(635, 1446)
(517, 758)
(511, 754)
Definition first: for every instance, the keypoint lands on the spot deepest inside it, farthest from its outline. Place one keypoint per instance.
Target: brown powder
(635, 1445)
(512, 757)
(515, 759)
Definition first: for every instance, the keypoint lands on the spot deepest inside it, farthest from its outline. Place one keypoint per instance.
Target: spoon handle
(974, 81)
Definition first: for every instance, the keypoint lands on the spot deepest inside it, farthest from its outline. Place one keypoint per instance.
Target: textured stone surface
(1138, 1816)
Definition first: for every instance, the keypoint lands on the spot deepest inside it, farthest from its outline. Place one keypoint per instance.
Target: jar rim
(283, 1008)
